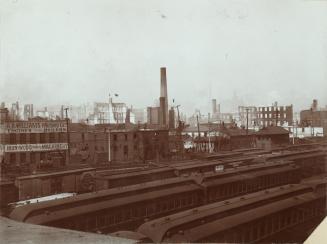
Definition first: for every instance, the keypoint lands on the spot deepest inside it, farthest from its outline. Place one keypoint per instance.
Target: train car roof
(223, 155)
(131, 235)
(197, 165)
(55, 173)
(47, 215)
(249, 175)
(309, 155)
(158, 227)
(136, 173)
(205, 230)
(290, 153)
(248, 167)
(21, 211)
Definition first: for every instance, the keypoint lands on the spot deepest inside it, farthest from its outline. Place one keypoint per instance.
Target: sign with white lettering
(33, 127)
(35, 147)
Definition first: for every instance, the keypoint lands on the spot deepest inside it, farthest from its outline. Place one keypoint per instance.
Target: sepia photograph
(161, 121)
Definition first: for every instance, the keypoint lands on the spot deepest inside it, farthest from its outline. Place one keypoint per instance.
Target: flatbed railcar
(250, 218)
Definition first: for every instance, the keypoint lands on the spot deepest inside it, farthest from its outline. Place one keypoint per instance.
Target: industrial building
(32, 144)
(127, 144)
(314, 117)
(265, 116)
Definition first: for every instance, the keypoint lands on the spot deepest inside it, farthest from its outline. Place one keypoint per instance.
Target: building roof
(157, 228)
(272, 130)
(235, 131)
(202, 231)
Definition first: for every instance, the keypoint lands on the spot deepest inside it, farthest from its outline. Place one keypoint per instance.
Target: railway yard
(239, 196)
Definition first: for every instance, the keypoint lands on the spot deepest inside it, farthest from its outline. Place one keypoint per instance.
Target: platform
(16, 232)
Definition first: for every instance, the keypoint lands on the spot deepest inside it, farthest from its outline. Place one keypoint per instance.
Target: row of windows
(262, 109)
(263, 182)
(264, 227)
(33, 138)
(26, 157)
(270, 116)
(129, 213)
(125, 136)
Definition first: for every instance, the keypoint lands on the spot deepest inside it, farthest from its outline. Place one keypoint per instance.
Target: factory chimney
(214, 107)
(164, 94)
(163, 118)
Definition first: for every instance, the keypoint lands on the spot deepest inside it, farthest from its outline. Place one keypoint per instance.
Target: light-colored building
(111, 113)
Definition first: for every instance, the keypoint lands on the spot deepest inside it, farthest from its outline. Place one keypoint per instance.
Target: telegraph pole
(68, 136)
(247, 120)
(209, 133)
(197, 121)
(109, 140)
(179, 129)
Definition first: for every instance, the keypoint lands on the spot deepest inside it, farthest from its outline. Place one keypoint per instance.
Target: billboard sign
(35, 147)
(33, 127)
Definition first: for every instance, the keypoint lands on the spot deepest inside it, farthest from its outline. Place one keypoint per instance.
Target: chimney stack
(214, 107)
(164, 94)
(163, 112)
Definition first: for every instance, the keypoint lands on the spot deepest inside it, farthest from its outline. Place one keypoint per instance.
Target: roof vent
(181, 232)
(226, 202)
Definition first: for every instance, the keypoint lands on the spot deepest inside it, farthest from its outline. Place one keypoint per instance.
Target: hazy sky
(75, 51)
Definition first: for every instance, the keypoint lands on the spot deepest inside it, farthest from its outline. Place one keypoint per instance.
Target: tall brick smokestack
(163, 113)
(214, 106)
(163, 93)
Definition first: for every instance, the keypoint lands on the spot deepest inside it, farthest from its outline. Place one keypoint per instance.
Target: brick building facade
(91, 144)
(33, 144)
(266, 116)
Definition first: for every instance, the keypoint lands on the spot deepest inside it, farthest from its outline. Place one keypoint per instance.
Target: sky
(78, 51)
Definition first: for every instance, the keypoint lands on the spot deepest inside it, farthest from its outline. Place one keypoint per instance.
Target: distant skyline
(78, 51)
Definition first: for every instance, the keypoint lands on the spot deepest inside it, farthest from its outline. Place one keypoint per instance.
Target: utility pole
(109, 140)
(109, 146)
(179, 130)
(197, 120)
(68, 136)
(293, 132)
(247, 120)
(209, 147)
